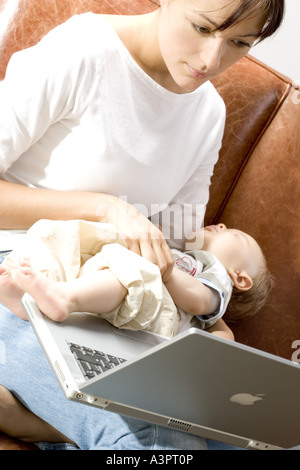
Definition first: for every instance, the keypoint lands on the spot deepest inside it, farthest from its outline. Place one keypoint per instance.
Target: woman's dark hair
(273, 9)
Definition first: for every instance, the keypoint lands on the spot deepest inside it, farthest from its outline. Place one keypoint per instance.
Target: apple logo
(246, 399)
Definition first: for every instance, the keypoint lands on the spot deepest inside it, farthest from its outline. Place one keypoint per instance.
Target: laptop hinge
(89, 399)
(257, 445)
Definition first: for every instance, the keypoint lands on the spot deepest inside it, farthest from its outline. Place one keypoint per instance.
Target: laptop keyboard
(93, 362)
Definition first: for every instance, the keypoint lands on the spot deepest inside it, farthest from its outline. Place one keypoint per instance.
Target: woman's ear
(241, 280)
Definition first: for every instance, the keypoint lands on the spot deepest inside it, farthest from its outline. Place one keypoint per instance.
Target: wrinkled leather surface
(256, 182)
(252, 95)
(265, 202)
(256, 187)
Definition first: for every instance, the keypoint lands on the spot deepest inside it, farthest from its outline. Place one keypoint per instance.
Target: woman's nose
(212, 56)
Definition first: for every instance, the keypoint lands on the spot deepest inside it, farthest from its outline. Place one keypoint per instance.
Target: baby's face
(234, 248)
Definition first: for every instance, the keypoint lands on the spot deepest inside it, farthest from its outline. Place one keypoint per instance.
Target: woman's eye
(201, 29)
(241, 44)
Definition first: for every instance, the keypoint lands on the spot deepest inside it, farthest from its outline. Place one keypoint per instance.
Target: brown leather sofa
(257, 179)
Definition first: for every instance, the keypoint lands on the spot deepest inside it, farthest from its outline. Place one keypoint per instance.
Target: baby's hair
(245, 304)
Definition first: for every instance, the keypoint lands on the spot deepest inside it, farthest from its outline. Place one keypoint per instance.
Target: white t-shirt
(78, 113)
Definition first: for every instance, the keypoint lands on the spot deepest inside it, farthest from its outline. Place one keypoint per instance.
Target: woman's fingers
(134, 245)
(142, 237)
(169, 262)
(156, 251)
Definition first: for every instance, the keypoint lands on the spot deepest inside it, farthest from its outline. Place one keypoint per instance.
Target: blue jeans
(25, 371)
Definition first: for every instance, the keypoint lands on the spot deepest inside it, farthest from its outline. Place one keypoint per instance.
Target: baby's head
(246, 265)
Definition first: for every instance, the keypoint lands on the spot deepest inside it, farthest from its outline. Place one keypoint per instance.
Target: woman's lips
(195, 73)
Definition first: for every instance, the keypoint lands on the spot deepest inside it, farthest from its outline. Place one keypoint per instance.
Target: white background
(282, 50)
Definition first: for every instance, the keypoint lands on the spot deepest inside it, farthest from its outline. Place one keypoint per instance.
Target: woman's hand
(142, 237)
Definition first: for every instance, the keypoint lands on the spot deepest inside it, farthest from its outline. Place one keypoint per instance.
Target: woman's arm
(21, 206)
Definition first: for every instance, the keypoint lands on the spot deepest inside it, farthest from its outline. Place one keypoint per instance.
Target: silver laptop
(194, 382)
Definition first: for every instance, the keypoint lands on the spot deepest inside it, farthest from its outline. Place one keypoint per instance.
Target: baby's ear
(241, 280)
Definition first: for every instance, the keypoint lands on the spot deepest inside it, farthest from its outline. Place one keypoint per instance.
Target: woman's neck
(139, 34)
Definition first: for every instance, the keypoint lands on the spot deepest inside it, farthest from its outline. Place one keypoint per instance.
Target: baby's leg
(99, 292)
(10, 291)
(18, 422)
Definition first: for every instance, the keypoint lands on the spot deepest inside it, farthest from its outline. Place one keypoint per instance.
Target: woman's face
(193, 52)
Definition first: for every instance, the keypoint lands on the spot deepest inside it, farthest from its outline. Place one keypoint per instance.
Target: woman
(116, 120)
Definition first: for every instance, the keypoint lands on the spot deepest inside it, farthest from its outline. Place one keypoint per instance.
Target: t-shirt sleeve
(206, 321)
(38, 90)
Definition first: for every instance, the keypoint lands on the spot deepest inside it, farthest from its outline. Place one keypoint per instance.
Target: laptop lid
(196, 382)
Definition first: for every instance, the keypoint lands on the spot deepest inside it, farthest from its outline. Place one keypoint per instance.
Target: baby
(96, 273)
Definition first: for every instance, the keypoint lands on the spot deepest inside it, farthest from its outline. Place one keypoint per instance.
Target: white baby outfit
(66, 250)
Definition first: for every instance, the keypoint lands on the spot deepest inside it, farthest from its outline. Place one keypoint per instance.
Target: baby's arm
(191, 295)
(195, 298)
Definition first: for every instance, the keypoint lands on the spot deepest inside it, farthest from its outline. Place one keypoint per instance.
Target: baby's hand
(221, 330)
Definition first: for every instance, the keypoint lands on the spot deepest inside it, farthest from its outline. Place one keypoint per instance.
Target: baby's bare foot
(50, 296)
(10, 291)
